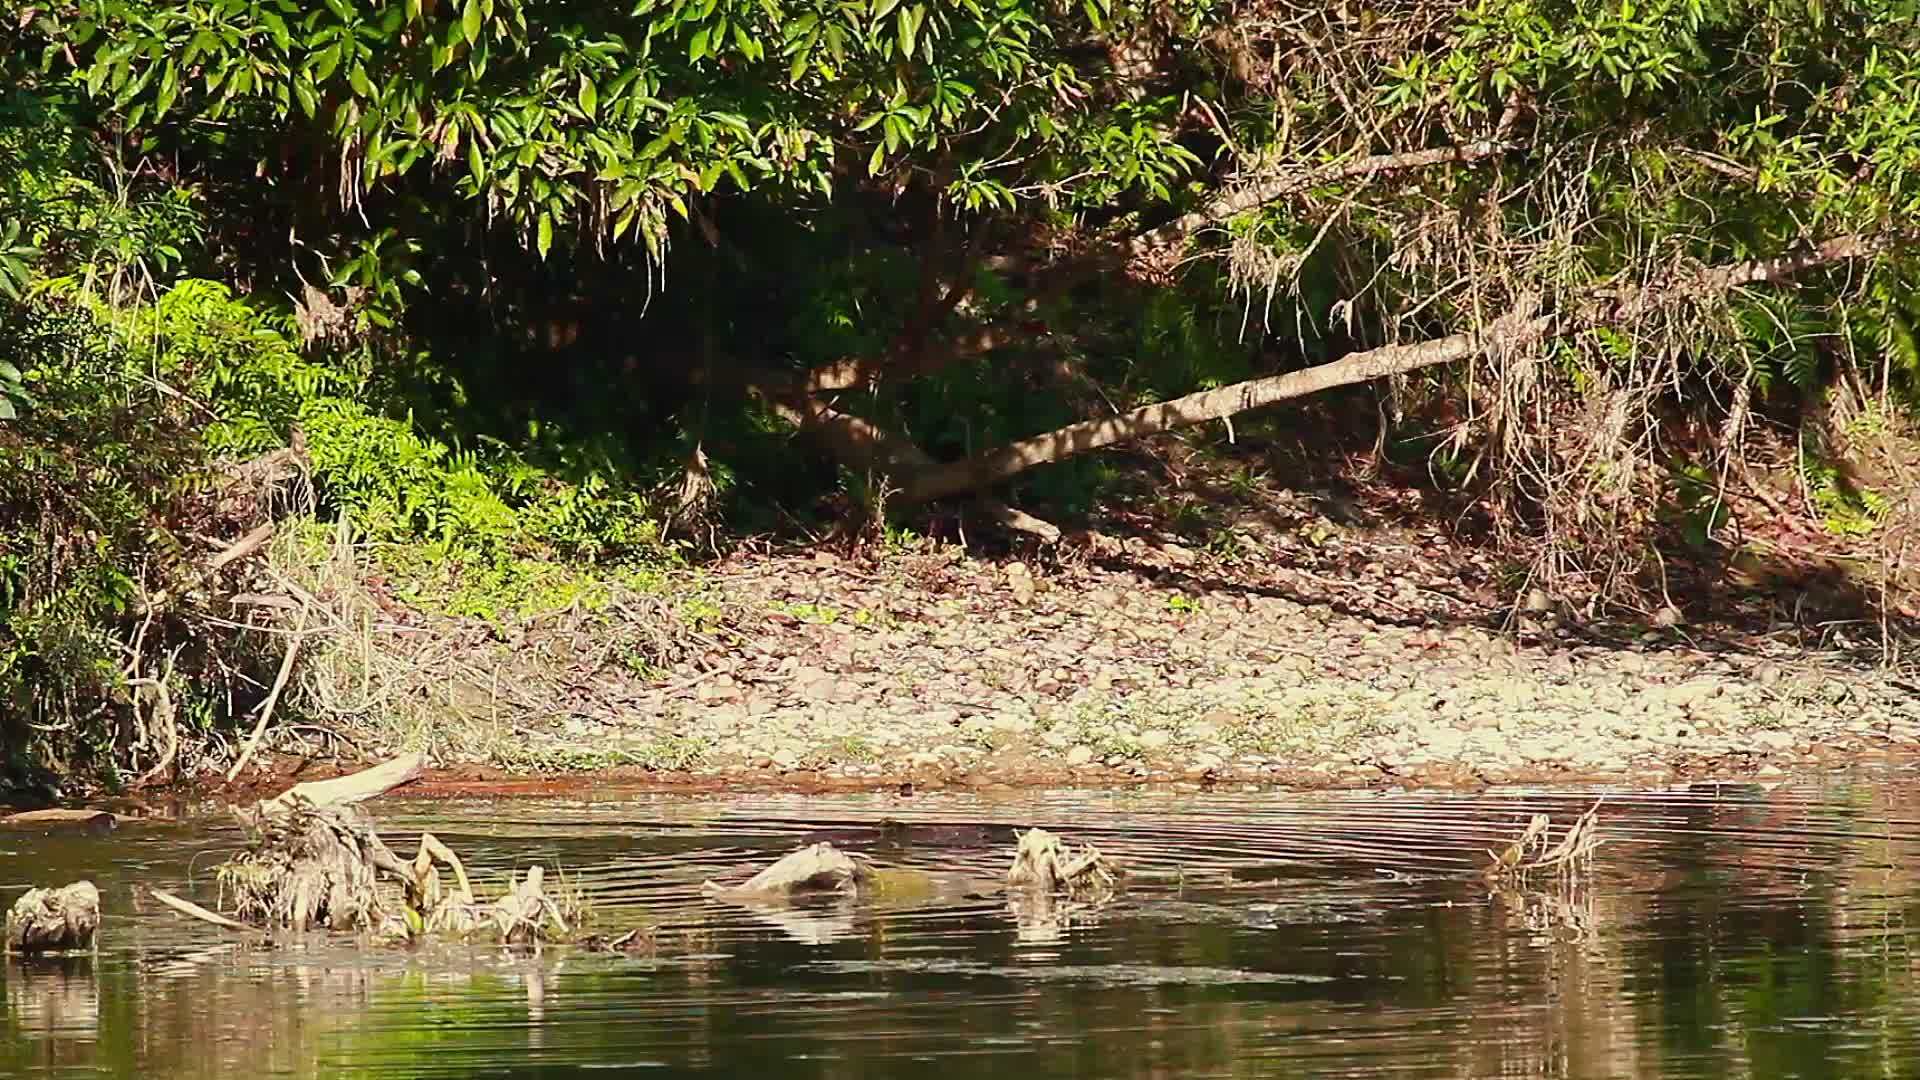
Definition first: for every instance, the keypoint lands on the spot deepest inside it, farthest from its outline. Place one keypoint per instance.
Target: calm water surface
(1726, 932)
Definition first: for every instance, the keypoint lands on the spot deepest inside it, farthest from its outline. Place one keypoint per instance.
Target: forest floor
(1324, 645)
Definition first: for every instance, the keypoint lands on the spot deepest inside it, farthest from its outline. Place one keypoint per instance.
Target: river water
(1725, 931)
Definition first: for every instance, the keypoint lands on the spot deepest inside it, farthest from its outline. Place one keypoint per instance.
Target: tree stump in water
(48, 920)
(312, 867)
(1044, 864)
(813, 870)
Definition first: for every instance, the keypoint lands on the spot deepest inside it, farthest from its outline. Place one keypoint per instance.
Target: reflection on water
(1726, 932)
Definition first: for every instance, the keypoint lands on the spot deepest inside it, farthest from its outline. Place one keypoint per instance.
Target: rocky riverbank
(1390, 664)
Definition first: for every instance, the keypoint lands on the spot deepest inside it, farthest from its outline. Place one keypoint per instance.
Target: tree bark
(1519, 327)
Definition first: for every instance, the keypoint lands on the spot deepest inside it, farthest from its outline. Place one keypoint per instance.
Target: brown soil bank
(1375, 659)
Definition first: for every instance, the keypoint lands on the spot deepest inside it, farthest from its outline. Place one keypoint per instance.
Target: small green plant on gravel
(1301, 717)
(1227, 545)
(1182, 604)
(1096, 723)
(855, 748)
(900, 540)
(818, 614)
(701, 613)
(672, 753)
(1246, 483)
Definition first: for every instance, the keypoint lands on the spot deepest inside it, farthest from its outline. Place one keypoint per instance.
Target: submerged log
(48, 920)
(89, 820)
(818, 869)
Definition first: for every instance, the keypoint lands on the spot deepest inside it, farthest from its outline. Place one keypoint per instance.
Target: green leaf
(169, 89)
(357, 78)
(697, 48)
(324, 62)
(303, 91)
(476, 164)
(545, 238)
(470, 21)
(909, 26)
(589, 97)
(878, 159)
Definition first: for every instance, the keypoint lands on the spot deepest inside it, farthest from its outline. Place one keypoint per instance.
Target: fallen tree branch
(193, 910)
(355, 787)
(858, 440)
(242, 547)
(1238, 202)
(1518, 327)
(963, 476)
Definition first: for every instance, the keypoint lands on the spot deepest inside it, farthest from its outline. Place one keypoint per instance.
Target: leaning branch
(856, 440)
(1279, 187)
(1519, 327)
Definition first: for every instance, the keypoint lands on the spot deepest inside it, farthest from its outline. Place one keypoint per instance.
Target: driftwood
(49, 920)
(818, 869)
(48, 819)
(523, 915)
(1535, 849)
(355, 787)
(1043, 864)
(195, 911)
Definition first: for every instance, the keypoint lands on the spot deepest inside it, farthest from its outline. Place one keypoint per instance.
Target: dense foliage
(501, 268)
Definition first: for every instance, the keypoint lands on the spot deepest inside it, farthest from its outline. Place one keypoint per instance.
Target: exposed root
(1043, 864)
(818, 869)
(195, 911)
(312, 867)
(1535, 850)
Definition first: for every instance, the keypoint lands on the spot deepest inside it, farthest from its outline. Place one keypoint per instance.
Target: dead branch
(273, 698)
(242, 547)
(1238, 202)
(1519, 327)
(355, 787)
(195, 911)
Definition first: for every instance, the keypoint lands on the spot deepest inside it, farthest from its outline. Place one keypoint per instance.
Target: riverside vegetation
(1404, 389)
